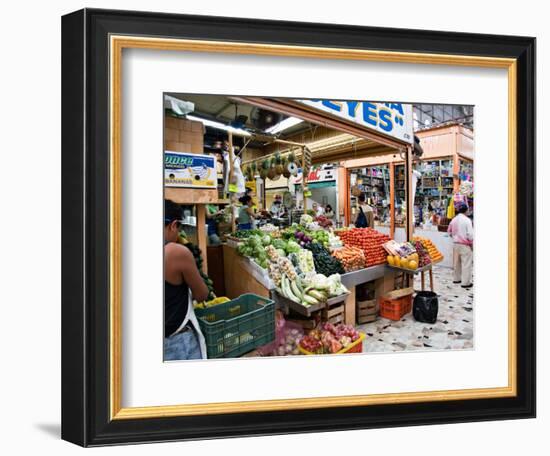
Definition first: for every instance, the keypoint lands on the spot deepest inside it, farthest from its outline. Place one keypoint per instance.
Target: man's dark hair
(362, 198)
(245, 199)
(462, 208)
(172, 211)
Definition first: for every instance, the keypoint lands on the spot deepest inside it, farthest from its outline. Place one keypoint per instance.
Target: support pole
(409, 197)
(202, 236)
(392, 200)
(304, 178)
(347, 190)
(231, 175)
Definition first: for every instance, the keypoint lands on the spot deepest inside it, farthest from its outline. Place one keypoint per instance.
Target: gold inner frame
(117, 44)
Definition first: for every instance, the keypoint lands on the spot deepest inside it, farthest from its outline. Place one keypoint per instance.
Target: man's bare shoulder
(175, 250)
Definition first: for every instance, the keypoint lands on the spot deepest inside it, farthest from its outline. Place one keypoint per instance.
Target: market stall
(291, 263)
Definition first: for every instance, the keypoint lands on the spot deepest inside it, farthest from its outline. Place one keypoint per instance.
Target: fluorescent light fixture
(283, 125)
(220, 126)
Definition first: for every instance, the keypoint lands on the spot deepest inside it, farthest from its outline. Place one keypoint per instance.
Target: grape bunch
(423, 255)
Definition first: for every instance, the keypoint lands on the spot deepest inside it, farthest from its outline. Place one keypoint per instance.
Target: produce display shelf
(354, 278)
(412, 271)
(259, 273)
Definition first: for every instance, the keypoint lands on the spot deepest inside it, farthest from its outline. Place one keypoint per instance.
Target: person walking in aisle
(365, 217)
(462, 233)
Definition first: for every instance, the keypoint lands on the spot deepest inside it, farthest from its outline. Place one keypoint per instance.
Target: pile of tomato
(369, 241)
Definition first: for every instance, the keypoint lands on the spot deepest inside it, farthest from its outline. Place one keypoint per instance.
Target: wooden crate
(305, 323)
(334, 314)
(367, 311)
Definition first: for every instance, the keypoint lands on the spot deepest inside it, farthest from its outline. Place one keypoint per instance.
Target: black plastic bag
(425, 307)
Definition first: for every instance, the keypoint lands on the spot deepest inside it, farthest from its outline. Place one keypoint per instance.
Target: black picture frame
(85, 227)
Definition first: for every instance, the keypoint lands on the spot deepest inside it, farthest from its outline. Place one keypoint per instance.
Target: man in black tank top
(180, 276)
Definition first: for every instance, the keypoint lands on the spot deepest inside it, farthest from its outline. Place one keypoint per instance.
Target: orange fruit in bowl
(413, 264)
(404, 263)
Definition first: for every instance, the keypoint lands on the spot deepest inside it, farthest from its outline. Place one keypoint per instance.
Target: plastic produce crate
(238, 326)
(396, 304)
(354, 347)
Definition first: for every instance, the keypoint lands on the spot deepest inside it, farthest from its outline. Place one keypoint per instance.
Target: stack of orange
(435, 254)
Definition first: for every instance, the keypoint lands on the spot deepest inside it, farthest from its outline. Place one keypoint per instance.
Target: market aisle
(453, 329)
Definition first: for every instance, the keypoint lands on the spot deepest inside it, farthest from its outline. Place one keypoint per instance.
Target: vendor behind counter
(246, 216)
(212, 212)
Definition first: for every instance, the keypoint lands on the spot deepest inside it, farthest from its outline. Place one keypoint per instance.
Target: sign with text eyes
(391, 119)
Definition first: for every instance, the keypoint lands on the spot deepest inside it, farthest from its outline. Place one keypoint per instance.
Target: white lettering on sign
(391, 119)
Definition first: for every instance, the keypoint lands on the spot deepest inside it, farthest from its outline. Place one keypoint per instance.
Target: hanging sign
(317, 173)
(183, 169)
(391, 119)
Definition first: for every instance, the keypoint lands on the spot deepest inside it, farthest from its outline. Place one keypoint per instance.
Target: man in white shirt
(277, 207)
(462, 233)
(317, 209)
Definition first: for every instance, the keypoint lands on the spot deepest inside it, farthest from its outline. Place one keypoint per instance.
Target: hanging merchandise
(286, 171)
(272, 171)
(237, 185)
(450, 209)
(225, 172)
(307, 161)
(238, 177)
(278, 164)
(292, 167)
(466, 188)
(264, 168)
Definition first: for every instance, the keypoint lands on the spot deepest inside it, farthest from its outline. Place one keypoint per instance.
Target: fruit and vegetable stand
(305, 269)
(266, 264)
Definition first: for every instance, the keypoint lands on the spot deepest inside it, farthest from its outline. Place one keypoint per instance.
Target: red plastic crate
(396, 304)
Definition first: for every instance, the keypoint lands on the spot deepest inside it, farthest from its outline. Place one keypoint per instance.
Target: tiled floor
(453, 329)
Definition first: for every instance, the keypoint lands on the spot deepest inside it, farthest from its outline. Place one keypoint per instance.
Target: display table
(411, 272)
(242, 275)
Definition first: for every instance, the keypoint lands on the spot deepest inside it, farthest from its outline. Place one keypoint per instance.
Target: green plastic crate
(238, 326)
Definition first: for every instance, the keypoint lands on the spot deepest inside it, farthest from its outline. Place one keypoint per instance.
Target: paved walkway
(453, 329)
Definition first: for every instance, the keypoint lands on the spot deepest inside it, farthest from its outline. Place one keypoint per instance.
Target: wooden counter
(239, 278)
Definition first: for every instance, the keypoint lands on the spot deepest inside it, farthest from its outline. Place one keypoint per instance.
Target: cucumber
(283, 285)
(295, 290)
(309, 299)
(299, 285)
(317, 295)
(287, 291)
